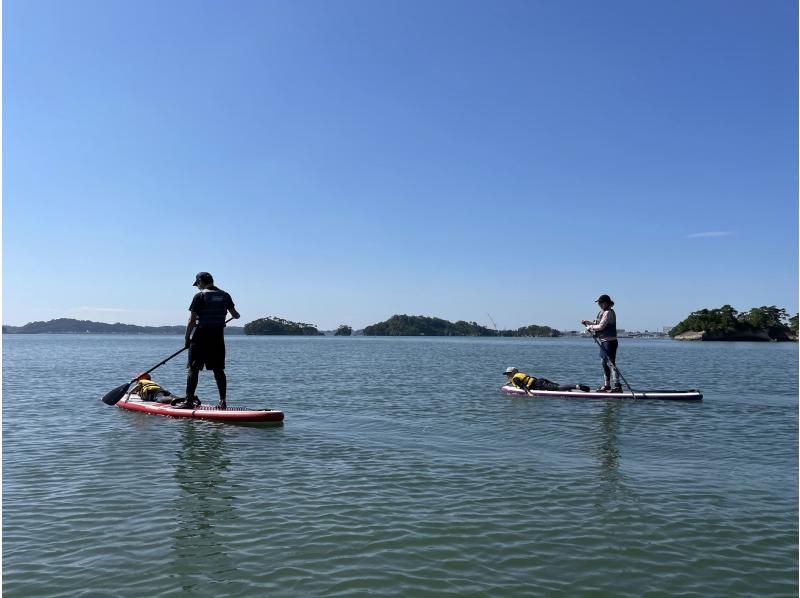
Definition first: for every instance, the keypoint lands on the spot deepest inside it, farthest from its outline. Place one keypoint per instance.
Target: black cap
(601, 299)
(203, 277)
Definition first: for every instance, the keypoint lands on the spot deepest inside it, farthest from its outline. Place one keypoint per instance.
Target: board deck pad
(638, 395)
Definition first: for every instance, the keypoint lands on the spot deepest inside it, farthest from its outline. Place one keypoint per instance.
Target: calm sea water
(401, 471)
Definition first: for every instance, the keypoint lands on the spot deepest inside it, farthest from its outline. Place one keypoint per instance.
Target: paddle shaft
(176, 353)
(156, 366)
(613, 365)
(113, 396)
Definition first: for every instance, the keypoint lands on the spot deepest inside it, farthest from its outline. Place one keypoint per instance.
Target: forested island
(404, 325)
(71, 326)
(727, 324)
(274, 326)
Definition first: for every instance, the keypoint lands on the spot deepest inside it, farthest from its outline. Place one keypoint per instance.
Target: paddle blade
(113, 397)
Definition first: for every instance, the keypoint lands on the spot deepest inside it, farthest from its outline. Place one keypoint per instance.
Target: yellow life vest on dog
(147, 389)
(521, 380)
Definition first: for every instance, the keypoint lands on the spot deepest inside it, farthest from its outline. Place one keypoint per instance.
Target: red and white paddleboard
(240, 415)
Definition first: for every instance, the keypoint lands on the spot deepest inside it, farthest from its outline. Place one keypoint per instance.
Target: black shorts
(207, 349)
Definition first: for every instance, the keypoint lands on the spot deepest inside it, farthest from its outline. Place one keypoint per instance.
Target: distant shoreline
(70, 326)
(408, 327)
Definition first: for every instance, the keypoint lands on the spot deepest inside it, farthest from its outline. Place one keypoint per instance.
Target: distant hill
(404, 325)
(71, 326)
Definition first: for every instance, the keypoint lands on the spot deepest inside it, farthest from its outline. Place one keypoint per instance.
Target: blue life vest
(215, 308)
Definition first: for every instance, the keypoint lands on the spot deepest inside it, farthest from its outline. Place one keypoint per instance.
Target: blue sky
(342, 161)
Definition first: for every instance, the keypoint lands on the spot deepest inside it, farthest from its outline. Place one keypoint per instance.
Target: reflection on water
(608, 449)
(204, 504)
(611, 490)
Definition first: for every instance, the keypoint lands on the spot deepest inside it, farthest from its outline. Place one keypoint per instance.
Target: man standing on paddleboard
(605, 329)
(208, 311)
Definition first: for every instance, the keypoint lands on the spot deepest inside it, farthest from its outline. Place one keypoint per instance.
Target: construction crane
(492, 321)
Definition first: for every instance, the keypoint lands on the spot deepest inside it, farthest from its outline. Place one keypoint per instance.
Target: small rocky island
(760, 324)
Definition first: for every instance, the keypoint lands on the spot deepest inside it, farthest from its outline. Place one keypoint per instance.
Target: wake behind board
(235, 415)
(639, 395)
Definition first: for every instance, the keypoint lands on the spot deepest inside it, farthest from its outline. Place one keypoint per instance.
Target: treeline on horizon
(73, 326)
(724, 320)
(775, 321)
(397, 325)
(403, 325)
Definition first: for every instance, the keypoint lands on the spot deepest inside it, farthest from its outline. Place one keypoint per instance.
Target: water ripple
(429, 483)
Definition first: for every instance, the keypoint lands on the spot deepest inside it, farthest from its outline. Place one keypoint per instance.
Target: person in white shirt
(604, 328)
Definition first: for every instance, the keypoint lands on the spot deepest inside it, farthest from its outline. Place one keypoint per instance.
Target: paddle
(112, 397)
(613, 365)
